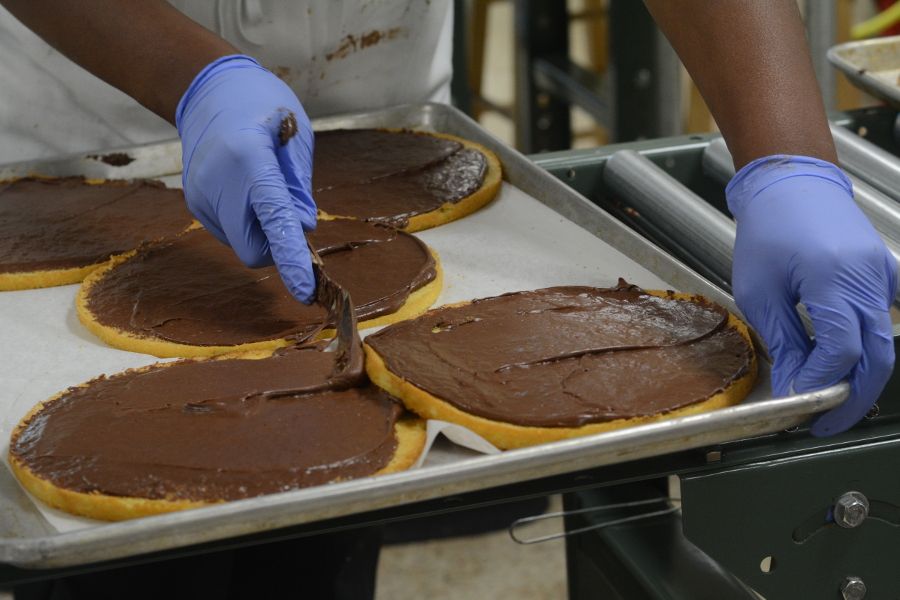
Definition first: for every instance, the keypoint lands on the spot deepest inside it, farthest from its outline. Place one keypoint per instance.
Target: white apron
(337, 55)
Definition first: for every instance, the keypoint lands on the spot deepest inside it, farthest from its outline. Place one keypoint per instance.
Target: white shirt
(338, 56)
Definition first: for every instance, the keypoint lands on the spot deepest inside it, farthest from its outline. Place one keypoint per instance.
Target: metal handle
(518, 523)
(883, 212)
(673, 209)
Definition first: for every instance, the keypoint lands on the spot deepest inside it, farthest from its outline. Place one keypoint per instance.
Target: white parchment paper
(515, 243)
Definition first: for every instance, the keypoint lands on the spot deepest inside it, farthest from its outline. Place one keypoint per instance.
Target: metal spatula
(348, 365)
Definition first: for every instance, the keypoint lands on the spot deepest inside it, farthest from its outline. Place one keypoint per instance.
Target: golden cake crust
(31, 280)
(409, 431)
(451, 211)
(508, 435)
(416, 303)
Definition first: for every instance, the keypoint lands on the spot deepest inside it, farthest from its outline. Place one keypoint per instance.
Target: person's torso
(338, 56)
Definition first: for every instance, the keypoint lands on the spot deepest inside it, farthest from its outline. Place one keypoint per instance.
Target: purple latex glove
(247, 154)
(801, 238)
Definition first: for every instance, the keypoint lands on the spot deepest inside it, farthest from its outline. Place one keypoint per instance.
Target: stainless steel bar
(821, 30)
(668, 98)
(673, 208)
(881, 210)
(877, 167)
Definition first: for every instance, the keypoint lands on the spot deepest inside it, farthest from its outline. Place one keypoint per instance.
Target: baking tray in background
(538, 232)
(871, 65)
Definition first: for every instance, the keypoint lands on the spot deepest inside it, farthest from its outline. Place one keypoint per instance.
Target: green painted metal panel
(781, 509)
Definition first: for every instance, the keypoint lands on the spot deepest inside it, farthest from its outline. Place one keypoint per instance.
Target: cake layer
(395, 176)
(209, 430)
(70, 223)
(567, 356)
(194, 291)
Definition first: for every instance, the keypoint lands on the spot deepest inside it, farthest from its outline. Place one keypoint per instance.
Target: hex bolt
(853, 588)
(643, 78)
(851, 509)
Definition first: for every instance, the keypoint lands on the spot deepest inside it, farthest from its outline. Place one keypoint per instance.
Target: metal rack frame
(767, 497)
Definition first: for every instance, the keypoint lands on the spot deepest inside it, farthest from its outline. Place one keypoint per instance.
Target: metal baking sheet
(872, 65)
(538, 232)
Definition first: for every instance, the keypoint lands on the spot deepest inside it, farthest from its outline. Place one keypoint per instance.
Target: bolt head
(853, 588)
(851, 509)
(642, 79)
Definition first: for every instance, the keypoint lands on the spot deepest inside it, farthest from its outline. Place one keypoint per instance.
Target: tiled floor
(483, 566)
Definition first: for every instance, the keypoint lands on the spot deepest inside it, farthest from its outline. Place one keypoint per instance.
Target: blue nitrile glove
(801, 238)
(247, 154)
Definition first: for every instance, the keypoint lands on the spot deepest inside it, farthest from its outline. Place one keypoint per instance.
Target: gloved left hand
(801, 238)
(247, 155)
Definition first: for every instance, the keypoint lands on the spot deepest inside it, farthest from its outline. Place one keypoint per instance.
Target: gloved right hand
(247, 156)
(801, 238)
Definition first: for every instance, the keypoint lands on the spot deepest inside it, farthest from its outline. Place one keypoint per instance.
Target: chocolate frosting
(212, 430)
(567, 356)
(193, 290)
(391, 176)
(49, 224)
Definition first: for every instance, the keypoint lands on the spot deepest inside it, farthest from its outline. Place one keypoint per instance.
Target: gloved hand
(801, 238)
(247, 154)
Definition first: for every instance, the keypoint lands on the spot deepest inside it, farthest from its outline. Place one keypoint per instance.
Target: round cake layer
(547, 364)
(56, 231)
(412, 180)
(191, 296)
(187, 433)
